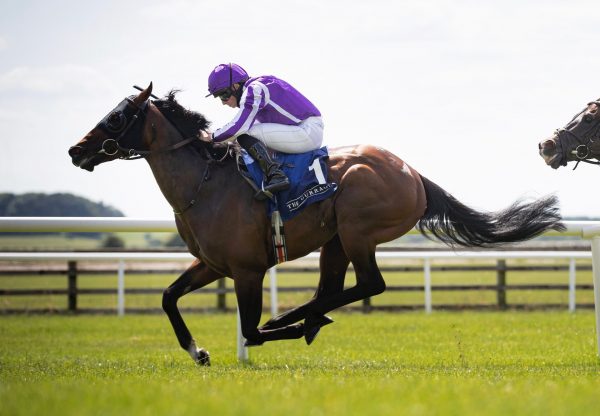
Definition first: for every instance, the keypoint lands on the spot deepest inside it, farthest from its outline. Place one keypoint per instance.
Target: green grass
(382, 363)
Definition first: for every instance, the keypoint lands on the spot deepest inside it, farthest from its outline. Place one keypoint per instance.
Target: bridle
(124, 119)
(583, 151)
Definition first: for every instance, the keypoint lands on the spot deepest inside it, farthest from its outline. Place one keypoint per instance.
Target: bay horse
(379, 198)
(578, 140)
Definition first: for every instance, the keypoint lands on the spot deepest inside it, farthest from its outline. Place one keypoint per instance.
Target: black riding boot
(276, 180)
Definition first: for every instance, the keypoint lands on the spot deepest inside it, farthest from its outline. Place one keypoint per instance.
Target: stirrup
(263, 195)
(267, 192)
(278, 187)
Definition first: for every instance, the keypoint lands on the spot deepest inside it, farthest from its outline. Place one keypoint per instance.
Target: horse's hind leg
(248, 291)
(333, 264)
(196, 276)
(369, 282)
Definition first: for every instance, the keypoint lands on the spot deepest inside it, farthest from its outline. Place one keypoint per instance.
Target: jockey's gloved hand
(205, 136)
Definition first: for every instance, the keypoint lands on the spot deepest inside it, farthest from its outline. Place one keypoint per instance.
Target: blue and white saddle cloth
(307, 173)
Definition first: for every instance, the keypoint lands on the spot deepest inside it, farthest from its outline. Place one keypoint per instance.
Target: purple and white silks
(274, 104)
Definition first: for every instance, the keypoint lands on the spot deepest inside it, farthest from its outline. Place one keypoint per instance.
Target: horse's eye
(116, 121)
(588, 118)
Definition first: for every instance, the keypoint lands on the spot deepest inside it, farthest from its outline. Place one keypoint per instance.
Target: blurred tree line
(58, 205)
(69, 205)
(53, 205)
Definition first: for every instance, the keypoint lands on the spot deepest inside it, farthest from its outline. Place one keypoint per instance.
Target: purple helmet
(224, 76)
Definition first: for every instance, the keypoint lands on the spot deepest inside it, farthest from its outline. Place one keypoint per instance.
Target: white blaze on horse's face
(88, 152)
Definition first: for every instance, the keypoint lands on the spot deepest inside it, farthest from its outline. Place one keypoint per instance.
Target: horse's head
(579, 140)
(118, 135)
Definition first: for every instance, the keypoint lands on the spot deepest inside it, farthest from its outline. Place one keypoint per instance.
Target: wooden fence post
(72, 285)
(501, 283)
(221, 300)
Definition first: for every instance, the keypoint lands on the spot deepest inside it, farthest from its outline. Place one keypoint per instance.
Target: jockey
(271, 114)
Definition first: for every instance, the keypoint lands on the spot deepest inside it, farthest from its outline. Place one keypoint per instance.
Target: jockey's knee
(246, 141)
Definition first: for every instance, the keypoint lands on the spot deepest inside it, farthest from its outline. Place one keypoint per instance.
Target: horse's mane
(188, 123)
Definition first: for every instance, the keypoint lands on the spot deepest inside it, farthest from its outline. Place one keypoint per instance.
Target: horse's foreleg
(249, 298)
(196, 276)
(333, 264)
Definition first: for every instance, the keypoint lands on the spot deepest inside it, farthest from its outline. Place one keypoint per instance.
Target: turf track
(410, 364)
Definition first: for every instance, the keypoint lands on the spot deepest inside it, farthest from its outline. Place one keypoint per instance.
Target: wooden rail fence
(73, 272)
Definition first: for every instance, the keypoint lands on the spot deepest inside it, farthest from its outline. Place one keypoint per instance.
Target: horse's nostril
(547, 148)
(75, 151)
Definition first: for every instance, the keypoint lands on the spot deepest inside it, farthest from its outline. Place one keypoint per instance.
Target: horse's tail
(454, 223)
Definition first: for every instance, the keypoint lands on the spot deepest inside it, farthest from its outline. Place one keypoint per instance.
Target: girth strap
(278, 235)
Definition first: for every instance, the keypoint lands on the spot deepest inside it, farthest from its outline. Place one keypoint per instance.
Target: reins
(205, 177)
(134, 154)
(585, 161)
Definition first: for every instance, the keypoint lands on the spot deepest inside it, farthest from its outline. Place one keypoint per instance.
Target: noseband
(582, 151)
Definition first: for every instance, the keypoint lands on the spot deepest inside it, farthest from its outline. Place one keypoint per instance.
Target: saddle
(307, 173)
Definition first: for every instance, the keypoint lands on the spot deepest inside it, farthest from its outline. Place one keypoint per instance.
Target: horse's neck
(178, 172)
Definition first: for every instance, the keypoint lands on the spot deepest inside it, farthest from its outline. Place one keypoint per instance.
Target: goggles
(224, 95)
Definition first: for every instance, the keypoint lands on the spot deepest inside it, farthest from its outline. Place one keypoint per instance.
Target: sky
(462, 91)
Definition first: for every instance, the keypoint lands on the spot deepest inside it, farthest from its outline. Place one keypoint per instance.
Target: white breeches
(308, 135)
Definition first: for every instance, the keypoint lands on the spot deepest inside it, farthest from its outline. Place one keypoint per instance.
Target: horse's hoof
(317, 320)
(203, 358)
(325, 320)
(312, 326)
(311, 334)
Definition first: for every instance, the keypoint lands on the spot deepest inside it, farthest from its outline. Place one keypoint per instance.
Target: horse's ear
(144, 95)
